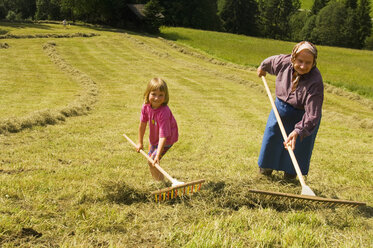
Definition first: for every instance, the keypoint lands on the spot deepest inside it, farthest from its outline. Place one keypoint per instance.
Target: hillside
(69, 179)
(250, 51)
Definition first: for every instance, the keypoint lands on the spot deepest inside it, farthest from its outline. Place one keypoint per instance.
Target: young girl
(163, 131)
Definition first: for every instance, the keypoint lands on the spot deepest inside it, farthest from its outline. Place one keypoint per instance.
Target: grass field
(353, 73)
(78, 183)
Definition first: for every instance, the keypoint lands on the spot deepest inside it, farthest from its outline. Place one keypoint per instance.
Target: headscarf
(303, 45)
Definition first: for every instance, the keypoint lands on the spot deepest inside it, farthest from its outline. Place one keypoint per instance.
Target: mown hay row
(188, 52)
(230, 77)
(34, 36)
(80, 106)
(350, 95)
(184, 50)
(4, 45)
(146, 47)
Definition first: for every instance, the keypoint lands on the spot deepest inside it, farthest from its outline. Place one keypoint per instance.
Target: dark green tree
(47, 9)
(308, 29)
(275, 16)
(68, 9)
(318, 5)
(154, 16)
(330, 28)
(297, 24)
(201, 14)
(351, 4)
(351, 28)
(364, 21)
(22, 8)
(239, 16)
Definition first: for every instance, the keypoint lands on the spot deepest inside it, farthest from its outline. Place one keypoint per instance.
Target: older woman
(299, 98)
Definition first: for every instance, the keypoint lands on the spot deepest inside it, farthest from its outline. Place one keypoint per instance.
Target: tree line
(344, 23)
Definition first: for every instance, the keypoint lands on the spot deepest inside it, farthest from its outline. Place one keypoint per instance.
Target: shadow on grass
(223, 195)
(237, 195)
(174, 36)
(25, 235)
(24, 25)
(121, 193)
(366, 211)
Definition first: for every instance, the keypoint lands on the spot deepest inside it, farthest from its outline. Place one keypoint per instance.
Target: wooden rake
(178, 189)
(307, 193)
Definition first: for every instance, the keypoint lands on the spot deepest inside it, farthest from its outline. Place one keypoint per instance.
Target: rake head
(178, 189)
(307, 198)
(307, 191)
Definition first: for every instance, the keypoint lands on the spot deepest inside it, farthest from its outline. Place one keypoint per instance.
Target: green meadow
(68, 178)
(346, 68)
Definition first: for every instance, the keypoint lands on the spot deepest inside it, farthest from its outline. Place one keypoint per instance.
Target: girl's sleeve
(273, 64)
(312, 113)
(165, 124)
(144, 117)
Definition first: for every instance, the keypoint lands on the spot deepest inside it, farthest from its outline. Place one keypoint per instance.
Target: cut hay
(80, 106)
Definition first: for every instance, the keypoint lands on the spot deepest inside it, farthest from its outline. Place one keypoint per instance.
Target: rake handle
(152, 161)
(284, 135)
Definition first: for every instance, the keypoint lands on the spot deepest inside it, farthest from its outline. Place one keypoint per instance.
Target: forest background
(343, 23)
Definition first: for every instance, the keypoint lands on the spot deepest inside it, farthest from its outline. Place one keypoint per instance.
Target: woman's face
(303, 62)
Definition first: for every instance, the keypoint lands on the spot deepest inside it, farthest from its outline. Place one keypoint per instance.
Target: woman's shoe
(288, 176)
(265, 171)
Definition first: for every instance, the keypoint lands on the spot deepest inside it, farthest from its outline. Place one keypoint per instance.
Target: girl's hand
(156, 160)
(292, 139)
(139, 146)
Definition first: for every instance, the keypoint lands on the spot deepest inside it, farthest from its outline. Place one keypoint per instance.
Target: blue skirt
(273, 155)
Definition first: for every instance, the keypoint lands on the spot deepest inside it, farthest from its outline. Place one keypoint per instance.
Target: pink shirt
(162, 124)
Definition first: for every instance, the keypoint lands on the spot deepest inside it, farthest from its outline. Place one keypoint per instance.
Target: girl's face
(303, 62)
(156, 98)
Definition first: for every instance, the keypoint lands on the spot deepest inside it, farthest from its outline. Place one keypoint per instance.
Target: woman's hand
(261, 72)
(291, 140)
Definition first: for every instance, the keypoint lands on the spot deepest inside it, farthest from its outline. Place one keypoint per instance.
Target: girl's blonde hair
(156, 84)
(304, 45)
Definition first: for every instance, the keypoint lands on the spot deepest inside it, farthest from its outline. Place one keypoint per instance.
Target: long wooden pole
(152, 161)
(284, 135)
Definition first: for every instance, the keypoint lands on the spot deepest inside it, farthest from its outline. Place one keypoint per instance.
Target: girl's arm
(142, 128)
(161, 143)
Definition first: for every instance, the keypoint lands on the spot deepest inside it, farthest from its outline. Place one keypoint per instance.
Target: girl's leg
(156, 174)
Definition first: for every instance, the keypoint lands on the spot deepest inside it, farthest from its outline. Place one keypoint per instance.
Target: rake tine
(180, 190)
